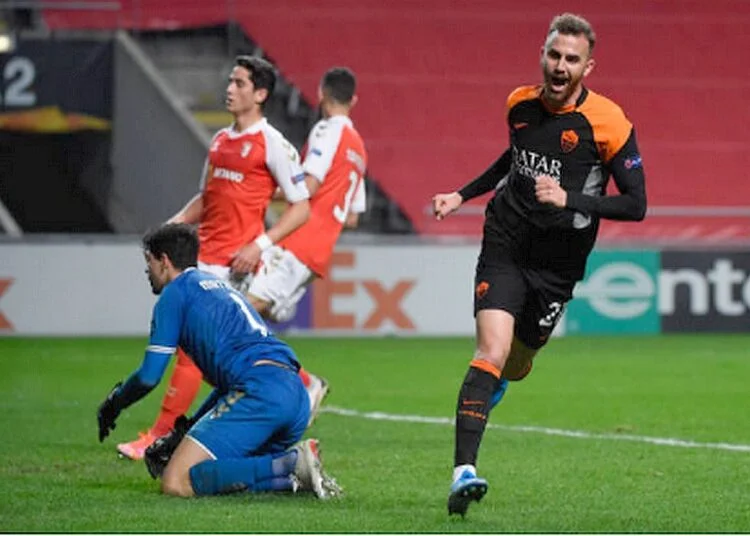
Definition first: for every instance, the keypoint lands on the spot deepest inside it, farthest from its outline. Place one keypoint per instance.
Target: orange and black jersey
(581, 147)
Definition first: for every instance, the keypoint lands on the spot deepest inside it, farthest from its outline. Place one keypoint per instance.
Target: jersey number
(257, 326)
(341, 213)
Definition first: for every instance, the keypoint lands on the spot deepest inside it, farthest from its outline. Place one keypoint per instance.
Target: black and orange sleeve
(626, 167)
(521, 94)
(608, 122)
(618, 150)
(488, 180)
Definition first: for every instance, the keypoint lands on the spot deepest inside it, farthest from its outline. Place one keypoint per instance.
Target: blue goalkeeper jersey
(216, 326)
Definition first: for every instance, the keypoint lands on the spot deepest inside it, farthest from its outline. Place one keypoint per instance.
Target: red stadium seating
(434, 76)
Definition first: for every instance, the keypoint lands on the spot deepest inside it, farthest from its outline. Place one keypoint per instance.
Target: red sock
(305, 377)
(183, 388)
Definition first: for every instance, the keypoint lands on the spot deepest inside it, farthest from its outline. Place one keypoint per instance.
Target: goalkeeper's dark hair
(178, 241)
(262, 73)
(339, 84)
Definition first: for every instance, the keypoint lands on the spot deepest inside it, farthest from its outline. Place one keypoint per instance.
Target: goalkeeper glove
(108, 412)
(159, 453)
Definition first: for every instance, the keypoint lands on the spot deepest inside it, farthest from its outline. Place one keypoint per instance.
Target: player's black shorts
(505, 279)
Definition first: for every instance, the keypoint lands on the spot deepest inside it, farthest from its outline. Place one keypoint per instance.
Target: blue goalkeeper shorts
(266, 415)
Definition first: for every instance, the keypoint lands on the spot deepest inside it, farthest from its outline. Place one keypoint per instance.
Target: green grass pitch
(615, 392)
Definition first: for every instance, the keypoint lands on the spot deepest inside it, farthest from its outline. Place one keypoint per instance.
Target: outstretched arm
(138, 385)
(165, 333)
(445, 204)
(488, 180)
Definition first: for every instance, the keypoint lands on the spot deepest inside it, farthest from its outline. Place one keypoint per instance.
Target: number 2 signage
(17, 83)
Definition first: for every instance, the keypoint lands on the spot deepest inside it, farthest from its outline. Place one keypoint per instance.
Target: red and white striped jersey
(241, 174)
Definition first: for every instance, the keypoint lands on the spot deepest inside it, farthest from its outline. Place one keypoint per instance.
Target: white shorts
(224, 273)
(281, 281)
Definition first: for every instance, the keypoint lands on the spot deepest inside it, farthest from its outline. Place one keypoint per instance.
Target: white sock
(458, 471)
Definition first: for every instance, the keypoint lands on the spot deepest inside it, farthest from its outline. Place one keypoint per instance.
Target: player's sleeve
(489, 180)
(166, 322)
(359, 201)
(282, 160)
(322, 144)
(626, 167)
(207, 164)
(204, 178)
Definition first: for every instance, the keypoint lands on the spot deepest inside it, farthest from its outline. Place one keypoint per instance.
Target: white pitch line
(579, 434)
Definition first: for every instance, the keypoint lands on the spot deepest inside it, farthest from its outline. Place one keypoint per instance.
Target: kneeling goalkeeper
(243, 436)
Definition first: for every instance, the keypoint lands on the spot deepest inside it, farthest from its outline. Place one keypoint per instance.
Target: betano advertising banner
(101, 289)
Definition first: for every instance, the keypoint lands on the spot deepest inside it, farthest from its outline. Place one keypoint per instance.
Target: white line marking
(579, 434)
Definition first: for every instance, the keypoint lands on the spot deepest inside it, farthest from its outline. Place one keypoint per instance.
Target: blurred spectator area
(434, 76)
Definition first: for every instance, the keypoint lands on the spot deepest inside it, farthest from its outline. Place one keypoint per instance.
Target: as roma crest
(482, 289)
(568, 140)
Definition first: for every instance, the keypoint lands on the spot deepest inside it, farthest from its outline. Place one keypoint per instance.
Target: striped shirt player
(245, 164)
(242, 171)
(334, 165)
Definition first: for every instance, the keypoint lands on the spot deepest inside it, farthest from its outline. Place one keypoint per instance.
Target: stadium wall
(55, 132)
(99, 288)
(120, 151)
(159, 148)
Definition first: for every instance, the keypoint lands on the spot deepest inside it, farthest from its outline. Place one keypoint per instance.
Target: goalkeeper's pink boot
(135, 450)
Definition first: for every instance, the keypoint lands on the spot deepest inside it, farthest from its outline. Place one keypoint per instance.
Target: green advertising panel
(617, 295)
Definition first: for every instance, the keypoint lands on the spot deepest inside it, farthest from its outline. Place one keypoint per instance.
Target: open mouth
(558, 83)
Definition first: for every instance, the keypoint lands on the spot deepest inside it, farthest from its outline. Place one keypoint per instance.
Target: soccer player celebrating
(246, 163)
(541, 225)
(242, 437)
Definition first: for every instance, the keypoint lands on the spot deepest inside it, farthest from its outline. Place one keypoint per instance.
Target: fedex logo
(336, 301)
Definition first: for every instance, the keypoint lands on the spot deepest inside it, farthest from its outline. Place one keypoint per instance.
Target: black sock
(471, 414)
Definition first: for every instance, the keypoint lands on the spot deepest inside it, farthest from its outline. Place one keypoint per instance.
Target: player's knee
(496, 354)
(177, 485)
(520, 361)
